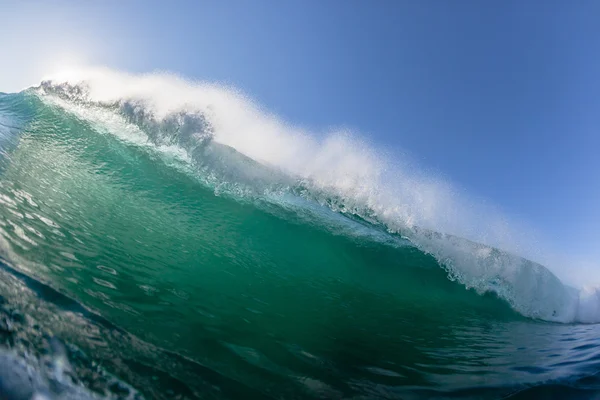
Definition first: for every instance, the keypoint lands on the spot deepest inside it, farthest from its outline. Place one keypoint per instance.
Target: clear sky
(501, 97)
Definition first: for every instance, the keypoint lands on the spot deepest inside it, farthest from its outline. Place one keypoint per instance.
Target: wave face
(195, 246)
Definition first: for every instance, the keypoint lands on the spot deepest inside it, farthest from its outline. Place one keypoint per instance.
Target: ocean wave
(242, 151)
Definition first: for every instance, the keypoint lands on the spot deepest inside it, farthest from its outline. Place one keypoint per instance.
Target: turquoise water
(142, 257)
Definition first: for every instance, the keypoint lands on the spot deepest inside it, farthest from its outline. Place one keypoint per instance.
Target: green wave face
(242, 269)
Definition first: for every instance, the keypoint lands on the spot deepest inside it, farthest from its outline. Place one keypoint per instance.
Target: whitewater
(163, 238)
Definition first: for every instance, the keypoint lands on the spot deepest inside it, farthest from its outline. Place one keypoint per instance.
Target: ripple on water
(22, 195)
(318, 388)
(21, 234)
(16, 213)
(34, 231)
(148, 290)
(384, 372)
(106, 269)
(104, 283)
(256, 358)
(7, 201)
(47, 221)
(182, 294)
(122, 307)
(68, 255)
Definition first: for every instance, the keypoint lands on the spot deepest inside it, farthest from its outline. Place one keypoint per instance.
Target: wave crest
(234, 141)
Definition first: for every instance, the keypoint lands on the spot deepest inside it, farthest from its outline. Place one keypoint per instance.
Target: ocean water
(171, 240)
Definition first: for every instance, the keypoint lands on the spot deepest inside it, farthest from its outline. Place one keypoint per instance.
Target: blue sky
(502, 98)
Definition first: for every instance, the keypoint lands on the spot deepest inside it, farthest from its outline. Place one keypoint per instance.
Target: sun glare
(62, 65)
